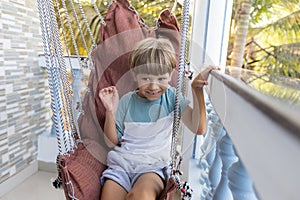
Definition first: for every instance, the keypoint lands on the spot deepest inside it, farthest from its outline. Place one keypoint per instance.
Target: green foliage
(68, 14)
(148, 10)
(273, 41)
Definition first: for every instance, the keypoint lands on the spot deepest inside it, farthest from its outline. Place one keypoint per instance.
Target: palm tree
(271, 47)
(279, 51)
(273, 40)
(242, 18)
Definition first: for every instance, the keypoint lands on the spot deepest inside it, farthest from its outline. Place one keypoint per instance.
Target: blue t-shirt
(133, 108)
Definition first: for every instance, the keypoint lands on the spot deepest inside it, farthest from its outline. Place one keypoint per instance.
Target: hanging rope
(68, 56)
(60, 89)
(63, 33)
(82, 62)
(181, 70)
(67, 92)
(98, 13)
(72, 32)
(81, 32)
(87, 25)
(52, 79)
(186, 191)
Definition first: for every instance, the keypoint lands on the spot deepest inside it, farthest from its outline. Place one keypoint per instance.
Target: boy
(139, 126)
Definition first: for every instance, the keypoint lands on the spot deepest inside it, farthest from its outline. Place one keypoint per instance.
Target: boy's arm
(110, 99)
(195, 118)
(110, 131)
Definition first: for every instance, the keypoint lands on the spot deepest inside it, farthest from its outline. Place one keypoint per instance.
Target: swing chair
(81, 148)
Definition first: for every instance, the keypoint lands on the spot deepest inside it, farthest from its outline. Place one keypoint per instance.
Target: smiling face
(152, 62)
(151, 86)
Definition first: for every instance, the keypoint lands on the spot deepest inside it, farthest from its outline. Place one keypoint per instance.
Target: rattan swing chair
(81, 148)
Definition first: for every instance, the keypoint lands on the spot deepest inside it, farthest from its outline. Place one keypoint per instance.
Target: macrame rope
(80, 30)
(91, 64)
(80, 61)
(53, 85)
(55, 104)
(67, 94)
(67, 50)
(60, 90)
(102, 21)
(181, 70)
(87, 24)
(71, 31)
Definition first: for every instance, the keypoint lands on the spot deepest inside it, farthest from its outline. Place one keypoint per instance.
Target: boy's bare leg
(148, 187)
(112, 191)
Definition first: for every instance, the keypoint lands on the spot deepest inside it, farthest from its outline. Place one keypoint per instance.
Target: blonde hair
(153, 56)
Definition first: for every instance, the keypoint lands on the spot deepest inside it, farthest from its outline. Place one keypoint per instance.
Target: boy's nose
(153, 85)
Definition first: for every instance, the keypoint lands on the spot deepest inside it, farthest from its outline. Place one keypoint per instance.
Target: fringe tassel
(57, 183)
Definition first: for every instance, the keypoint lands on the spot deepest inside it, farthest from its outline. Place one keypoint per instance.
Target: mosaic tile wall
(24, 94)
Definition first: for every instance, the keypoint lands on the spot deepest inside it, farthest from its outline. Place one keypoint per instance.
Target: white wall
(210, 33)
(24, 94)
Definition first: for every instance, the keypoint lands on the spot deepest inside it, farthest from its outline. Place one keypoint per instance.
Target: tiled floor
(36, 187)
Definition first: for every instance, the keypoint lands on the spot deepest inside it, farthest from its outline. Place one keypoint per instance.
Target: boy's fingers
(212, 67)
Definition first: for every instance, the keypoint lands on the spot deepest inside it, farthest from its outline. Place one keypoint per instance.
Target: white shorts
(127, 180)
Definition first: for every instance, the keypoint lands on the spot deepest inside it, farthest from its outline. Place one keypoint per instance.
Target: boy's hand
(202, 77)
(110, 98)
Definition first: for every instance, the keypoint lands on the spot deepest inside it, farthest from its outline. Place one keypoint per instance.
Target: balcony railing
(252, 141)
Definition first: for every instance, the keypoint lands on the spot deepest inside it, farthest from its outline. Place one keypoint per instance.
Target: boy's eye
(146, 79)
(162, 79)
